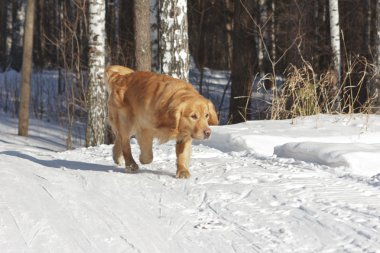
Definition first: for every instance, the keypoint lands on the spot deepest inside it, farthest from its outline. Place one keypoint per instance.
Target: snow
(306, 185)
(333, 140)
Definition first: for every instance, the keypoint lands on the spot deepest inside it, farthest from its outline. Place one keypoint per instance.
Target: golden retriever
(149, 105)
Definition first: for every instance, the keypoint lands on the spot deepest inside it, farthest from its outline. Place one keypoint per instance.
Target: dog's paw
(146, 159)
(118, 160)
(183, 174)
(132, 168)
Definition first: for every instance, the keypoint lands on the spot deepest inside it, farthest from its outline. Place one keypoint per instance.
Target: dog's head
(194, 118)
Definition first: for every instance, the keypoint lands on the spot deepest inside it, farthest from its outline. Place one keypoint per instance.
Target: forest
(303, 57)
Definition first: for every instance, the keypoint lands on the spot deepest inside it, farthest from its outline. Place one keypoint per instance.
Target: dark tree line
(249, 37)
(268, 36)
(297, 28)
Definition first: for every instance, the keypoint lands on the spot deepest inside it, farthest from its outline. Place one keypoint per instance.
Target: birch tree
(96, 99)
(142, 35)
(273, 31)
(173, 38)
(263, 35)
(335, 37)
(154, 21)
(17, 34)
(27, 64)
(116, 11)
(7, 35)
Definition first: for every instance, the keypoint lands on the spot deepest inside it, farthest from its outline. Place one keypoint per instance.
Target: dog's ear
(213, 117)
(175, 115)
(171, 117)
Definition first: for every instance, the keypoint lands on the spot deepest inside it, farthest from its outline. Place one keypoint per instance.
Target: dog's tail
(113, 72)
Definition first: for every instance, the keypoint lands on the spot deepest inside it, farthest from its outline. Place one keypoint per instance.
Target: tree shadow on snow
(64, 164)
(77, 165)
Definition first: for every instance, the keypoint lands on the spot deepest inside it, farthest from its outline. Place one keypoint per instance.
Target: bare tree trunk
(174, 48)
(3, 31)
(143, 55)
(375, 87)
(244, 55)
(27, 64)
(96, 118)
(335, 37)
(199, 54)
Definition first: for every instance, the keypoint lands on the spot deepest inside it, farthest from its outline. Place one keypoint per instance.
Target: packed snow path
(79, 201)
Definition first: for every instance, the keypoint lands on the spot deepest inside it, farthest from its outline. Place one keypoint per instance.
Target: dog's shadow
(84, 166)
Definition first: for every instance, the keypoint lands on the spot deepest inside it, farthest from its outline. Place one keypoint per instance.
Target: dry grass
(305, 93)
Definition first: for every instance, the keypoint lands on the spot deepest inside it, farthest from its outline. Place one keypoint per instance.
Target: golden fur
(149, 106)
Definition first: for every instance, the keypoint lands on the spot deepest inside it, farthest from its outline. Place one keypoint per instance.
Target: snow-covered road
(79, 201)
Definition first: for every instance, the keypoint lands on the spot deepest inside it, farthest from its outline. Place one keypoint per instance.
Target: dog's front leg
(183, 151)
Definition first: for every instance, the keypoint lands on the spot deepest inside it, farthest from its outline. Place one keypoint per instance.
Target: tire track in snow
(234, 202)
(299, 184)
(43, 221)
(9, 228)
(131, 245)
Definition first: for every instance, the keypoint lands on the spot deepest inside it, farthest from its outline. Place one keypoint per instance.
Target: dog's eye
(207, 115)
(194, 116)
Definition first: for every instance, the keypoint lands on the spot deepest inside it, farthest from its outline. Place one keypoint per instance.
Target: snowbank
(351, 142)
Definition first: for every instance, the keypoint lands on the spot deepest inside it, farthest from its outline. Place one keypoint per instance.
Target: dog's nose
(207, 132)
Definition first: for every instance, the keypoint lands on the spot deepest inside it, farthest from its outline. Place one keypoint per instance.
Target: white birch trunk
(368, 27)
(117, 25)
(19, 28)
(262, 37)
(154, 35)
(335, 37)
(18, 34)
(96, 119)
(9, 30)
(273, 33)
(174, 48)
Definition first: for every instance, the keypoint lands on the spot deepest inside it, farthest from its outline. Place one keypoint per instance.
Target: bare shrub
(305, 93)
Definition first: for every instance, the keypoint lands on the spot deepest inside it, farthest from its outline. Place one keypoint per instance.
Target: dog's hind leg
(117, 152)
(123, 129)
(113, 119)
(145, 141)
(130, 164)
